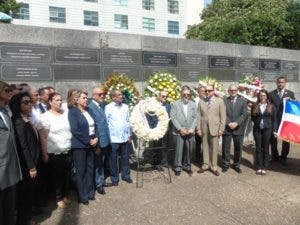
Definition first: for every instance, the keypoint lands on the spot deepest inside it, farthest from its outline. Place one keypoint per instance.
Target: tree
(8, 6)
(272, 23)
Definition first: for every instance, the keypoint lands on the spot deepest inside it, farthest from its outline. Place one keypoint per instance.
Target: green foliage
(9, 5)
(272, 23)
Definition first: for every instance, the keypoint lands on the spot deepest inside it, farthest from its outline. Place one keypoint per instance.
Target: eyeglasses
(164, 96)
(101, 94)
(26, 102)
(188, 95)
(208, 91)
(233, 90)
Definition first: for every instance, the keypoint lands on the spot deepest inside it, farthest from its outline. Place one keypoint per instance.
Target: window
(120, 2)
(121, 21)
(91, 0)
(148, 24)
(90, 18)
(57, 14)
(173, 6)
(148, 4)
(173, 27)
(23, 13)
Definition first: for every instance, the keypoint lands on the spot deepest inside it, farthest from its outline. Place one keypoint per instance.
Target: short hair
(15, 104)
(184, 88)
(200, 87)
(281, 78)
(42, 90)
(113, 92)
(3, 85)
(232, 85)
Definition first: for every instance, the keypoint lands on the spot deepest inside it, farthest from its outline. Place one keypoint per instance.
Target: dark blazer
(79, 128)
(277, 102)
(28, 145)
(269, 120)
(237, 113)
(10, 170)
(153, 120)
(99, 117)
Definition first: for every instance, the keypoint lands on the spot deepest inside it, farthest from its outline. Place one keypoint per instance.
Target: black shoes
(129, 180)
(92, 198)
(114, 183)
(177, 173)
(224, 169)
(237, 169)
(101, 190)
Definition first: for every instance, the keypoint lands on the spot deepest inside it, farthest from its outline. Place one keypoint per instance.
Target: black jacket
(269, 119)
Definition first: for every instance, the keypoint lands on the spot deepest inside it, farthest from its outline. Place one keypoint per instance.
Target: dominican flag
(289, 129)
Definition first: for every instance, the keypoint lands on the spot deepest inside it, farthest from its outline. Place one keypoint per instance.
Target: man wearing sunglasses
(184, 119)
(98, 114)
(211, 125)
(236, 115)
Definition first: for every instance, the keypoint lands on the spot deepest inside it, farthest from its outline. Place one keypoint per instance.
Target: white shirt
(263, 107)
(185, 109)
(59, 137)
(90, 122)
(35, 117)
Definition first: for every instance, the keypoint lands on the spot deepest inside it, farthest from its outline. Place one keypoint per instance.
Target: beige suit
(211, 120)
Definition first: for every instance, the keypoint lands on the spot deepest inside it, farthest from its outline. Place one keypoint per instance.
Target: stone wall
(72, 58)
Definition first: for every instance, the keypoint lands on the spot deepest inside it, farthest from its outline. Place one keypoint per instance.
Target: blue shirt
(118, 122)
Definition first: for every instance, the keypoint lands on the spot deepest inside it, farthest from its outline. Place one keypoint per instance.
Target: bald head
(99, 94)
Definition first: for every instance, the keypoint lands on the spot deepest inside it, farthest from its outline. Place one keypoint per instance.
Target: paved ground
(230, 199)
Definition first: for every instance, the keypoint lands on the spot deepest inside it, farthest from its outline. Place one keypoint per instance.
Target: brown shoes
(215, 172)
(201, 170)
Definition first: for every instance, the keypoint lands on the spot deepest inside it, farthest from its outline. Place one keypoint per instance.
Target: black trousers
(226, 145)
(262, 140)
(25, 199)
(59, 168)
(198, 150)
(274, 150)
(8, 205)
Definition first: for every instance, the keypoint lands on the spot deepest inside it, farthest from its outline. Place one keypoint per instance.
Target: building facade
(167, 18)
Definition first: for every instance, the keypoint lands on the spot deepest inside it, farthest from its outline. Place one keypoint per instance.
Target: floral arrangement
(249, 87)
(163, 81)
(219, 88)
(139, 122)
(125, 85)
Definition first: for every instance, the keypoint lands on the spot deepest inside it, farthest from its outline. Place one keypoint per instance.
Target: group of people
(88, 139)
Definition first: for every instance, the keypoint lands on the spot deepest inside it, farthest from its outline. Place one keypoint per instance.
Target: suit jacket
(28, 145)
(79, 128)
(236, 112)
(278, 103)
(269, 119)
(10, 170)
(211, 119)
(99, 117)
(178, 118)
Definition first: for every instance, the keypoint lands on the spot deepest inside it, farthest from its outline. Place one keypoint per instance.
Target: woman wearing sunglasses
(28, 147)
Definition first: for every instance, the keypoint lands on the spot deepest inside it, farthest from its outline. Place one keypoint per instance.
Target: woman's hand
(32, 173)
(93, 142)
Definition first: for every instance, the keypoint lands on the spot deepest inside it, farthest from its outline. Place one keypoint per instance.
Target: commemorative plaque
(270, 76)
(132, 72)
(221, 62)
(121, 57)
(247, 63)
(193, 60)
(25, 53)
(159, 59)
(289, 65)
(76, 55)
(26, 72)
(76, 72)
(241, 74)
(269, 64)
(192, 74)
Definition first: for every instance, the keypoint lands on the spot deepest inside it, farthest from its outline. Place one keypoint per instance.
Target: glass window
(121, 21)
(148, 4)
(173, 6)
(173, 27)
(121, 2)
(91, 0)
(90, 18)
(57, 14)
(23, 12)
(148, 24)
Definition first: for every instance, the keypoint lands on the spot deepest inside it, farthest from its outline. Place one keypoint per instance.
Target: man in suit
(236, 114)
(276, 97)
(44, 98)
(211, 125)
(10, 170)
(184, 119)
(98, 115)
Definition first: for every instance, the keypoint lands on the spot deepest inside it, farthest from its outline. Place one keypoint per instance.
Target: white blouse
(90, 122)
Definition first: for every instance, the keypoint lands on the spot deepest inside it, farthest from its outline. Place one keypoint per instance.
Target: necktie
(280, 94)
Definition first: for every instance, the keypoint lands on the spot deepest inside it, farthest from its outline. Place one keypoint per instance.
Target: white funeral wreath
(139, 122)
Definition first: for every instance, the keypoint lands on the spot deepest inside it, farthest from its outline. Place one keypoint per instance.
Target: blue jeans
(84, 170)
(123, 150)
(99, 166)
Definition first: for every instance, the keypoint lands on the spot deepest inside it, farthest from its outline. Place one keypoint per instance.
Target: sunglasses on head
(26, 102)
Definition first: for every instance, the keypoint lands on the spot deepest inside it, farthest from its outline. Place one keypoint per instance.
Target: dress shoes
(84, 203)
(128, 180)
(159, 168)
(215, 172)
(224, 169)
(177, 173)
(201, 170)
(115, 184)
(92, 198)
(237, 169)
(101, 190)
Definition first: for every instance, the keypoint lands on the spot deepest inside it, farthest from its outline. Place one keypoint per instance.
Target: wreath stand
(141, 167)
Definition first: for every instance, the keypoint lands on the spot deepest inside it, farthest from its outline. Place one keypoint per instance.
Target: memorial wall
(67, 57)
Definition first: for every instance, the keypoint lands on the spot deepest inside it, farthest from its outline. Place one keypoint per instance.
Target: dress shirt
(262, 108)
(118, 122)
(281, 93)
(35, 116)
(185, 109)
(2, 111)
